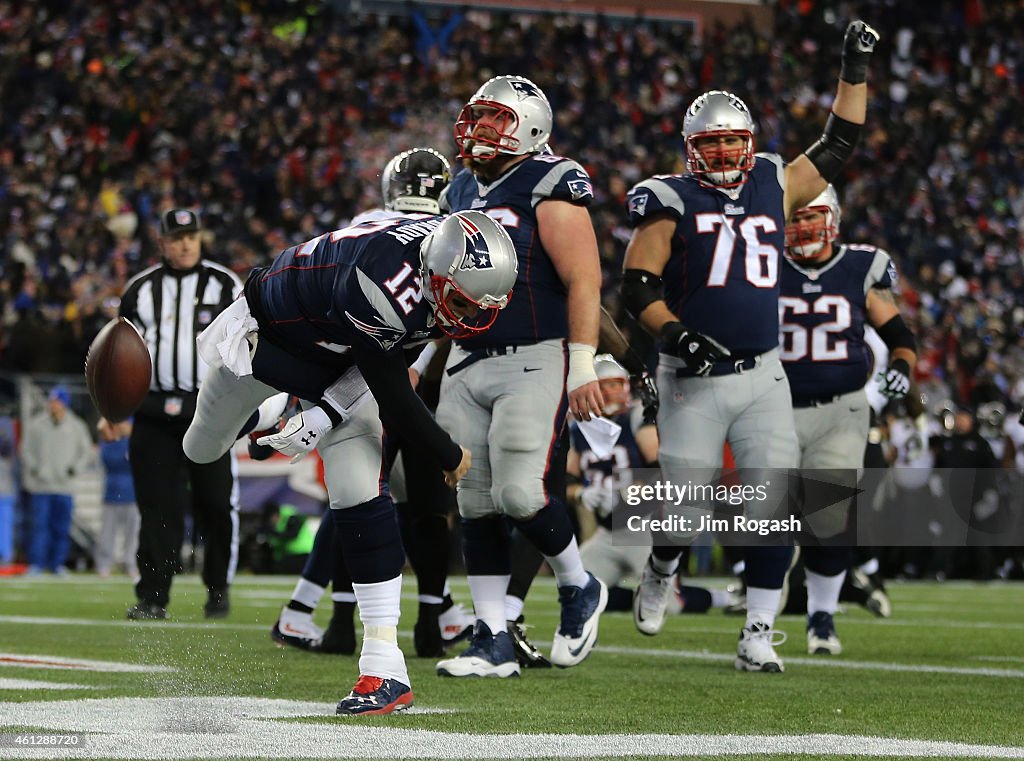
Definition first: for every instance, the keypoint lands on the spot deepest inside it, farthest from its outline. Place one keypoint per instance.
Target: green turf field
(946, 671)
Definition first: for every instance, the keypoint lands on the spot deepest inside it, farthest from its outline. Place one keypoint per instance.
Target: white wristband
(581, 365)
(420, 365)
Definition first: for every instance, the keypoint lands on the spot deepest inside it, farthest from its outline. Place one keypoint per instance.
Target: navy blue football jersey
(358, 286)
(537, 309)
(616, 470)
(822, 313)
(722, 276)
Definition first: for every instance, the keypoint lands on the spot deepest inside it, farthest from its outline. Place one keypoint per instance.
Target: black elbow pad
(834, 147)
(639, 289)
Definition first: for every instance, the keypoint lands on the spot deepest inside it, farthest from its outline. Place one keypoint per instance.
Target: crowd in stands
(274, 119)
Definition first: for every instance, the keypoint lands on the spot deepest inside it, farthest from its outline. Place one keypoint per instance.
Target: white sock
(568, 566)
(307, 593)
(763, 605)
(430, 599)
(870, 567)
(379, 610)
(489, 599)
(665, 567)
(513, 607)
(343, 596)
(447, 591)
(739, 567)
(823, 592)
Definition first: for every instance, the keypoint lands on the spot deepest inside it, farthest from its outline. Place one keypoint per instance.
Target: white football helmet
(413, 181)
(467, 258)
(508, 115)
(718, 113)
(614, 382)
(805, 239)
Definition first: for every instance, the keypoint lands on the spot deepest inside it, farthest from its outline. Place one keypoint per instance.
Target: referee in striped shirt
(171, 303)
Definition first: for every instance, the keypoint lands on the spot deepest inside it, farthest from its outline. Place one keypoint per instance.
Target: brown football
(118, 370)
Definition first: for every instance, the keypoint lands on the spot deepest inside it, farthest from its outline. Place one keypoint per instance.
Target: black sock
(298, 607)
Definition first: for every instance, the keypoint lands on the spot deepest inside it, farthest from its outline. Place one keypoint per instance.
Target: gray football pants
(507, 410)
(832, 441)
(752, 410)
(352, 452)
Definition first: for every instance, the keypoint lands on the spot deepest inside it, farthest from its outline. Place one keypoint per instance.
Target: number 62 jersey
(822, 313)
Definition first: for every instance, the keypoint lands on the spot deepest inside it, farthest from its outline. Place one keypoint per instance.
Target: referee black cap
(175, 221)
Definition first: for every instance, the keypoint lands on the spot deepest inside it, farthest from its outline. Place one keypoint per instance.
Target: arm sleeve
(401, 410)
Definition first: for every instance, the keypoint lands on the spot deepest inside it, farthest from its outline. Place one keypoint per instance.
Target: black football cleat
(144, 610)
(339, 638)
(217, 605)
(528, 656)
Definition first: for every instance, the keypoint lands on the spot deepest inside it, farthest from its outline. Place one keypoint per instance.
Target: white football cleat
(456, 624)
(821, 635)
(650, 601)
(296, 629)
(577, 629)
(756, 648)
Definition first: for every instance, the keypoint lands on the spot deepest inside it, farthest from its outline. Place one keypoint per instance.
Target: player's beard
(488, 169)
(806, 250)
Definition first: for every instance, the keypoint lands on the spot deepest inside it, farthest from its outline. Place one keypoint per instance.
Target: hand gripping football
(118, 370)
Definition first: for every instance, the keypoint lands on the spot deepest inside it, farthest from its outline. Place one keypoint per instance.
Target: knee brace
(370, 540)
(550, 530)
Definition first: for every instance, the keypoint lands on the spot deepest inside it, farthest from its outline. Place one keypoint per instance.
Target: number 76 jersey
(722, 276)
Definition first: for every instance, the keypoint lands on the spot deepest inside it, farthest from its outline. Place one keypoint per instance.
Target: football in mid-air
(118, 370)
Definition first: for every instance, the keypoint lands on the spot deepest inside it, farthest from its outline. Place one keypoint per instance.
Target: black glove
(647, 392)
(697, 350)
(895, 381)
(858, 46)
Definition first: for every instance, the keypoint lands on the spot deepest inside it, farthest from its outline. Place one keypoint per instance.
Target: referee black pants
(166, 484)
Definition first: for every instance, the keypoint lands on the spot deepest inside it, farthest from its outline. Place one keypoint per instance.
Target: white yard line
(836, 663)
(29, 660)
(201, 728)
(35, 684)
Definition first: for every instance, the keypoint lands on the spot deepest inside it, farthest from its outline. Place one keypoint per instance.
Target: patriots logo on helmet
(478, 255)
(525, 89)
(638, 205)
(384, 335)
(580, 188)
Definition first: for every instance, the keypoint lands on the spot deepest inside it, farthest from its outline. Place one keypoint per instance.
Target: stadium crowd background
(274, 124)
